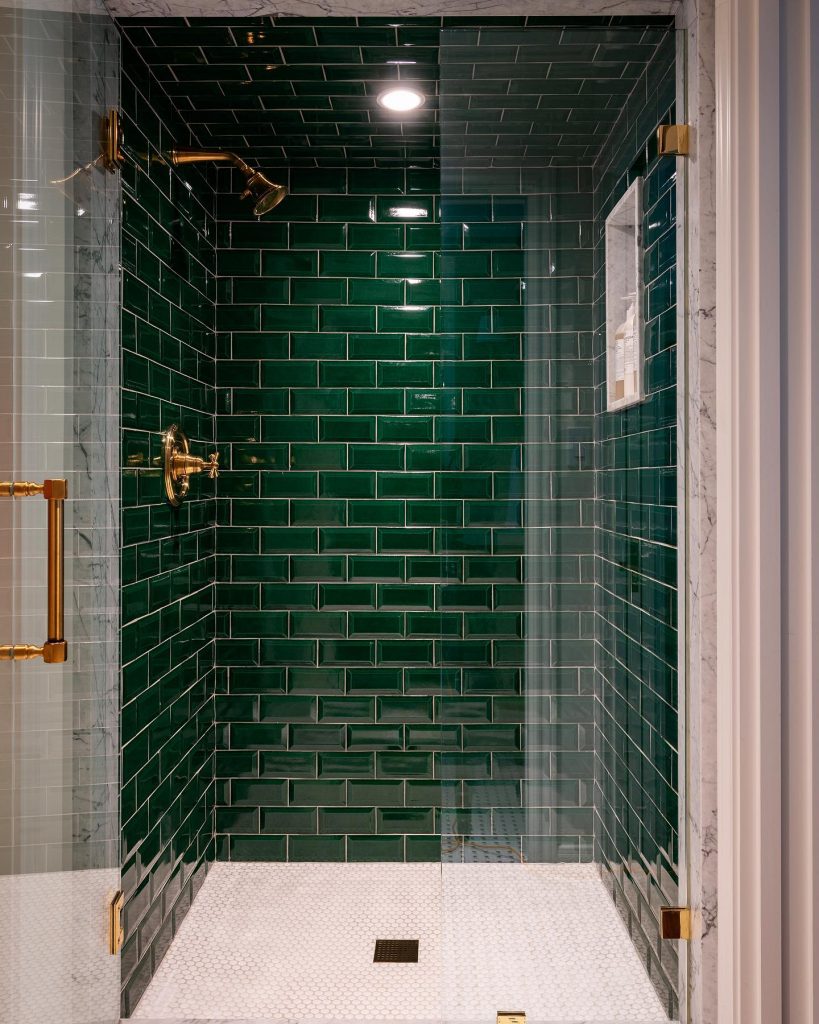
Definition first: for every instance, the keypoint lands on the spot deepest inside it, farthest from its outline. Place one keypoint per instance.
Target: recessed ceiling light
(401, 99)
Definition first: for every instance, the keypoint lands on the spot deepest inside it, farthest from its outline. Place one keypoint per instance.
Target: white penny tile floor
(294, 942)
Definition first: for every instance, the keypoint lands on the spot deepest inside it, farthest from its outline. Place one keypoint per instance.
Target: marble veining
(350, 8)
(696, 21)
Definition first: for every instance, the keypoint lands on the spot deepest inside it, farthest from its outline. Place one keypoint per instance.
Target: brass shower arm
(198, 156)
(267, 194)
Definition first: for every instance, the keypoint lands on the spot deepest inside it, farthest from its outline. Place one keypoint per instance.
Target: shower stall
(374, 706)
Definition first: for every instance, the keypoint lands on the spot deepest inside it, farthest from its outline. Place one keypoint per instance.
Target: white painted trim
(800, 664)
(748, 528)
(768, 495)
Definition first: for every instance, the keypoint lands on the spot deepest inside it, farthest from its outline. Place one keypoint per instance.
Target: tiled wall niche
(637, 749)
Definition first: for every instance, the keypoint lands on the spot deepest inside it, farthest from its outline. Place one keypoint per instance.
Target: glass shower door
(59, 849)
(561, 739)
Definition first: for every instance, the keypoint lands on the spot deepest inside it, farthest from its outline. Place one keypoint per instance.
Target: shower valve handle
(185, 465)
(211, 467)
(180, 465)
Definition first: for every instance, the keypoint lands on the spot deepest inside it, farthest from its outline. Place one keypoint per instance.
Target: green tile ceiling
(300, 92)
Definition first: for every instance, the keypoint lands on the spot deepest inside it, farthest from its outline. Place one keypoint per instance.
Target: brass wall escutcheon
(180, 465)
(55, 649)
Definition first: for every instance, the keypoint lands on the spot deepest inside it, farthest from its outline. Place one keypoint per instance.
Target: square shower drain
(396, 951)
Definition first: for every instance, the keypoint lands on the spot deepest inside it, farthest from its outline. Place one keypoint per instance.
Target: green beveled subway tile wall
(637, 777)
(394, 409)
(167, 559)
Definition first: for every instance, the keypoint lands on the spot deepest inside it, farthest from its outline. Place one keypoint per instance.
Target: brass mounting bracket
(673, 140)
(180, 465)
(110, 141)
(116, 933)
(675, 923)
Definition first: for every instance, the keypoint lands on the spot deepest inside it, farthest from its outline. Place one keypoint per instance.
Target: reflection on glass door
(59, 851)
(559, 738)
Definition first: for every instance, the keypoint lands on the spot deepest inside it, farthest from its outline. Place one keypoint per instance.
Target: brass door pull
(55, 649)
(180, 465)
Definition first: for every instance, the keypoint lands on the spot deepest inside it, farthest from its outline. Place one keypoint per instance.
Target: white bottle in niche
(619, 362)
(630, 354)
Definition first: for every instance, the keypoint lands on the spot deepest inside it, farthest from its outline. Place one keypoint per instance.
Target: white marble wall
(696, 20)
(402, 8)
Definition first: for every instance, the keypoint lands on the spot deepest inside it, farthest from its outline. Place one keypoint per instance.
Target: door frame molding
(767, 87)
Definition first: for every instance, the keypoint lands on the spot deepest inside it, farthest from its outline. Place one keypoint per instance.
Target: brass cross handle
(184, 465)
(180, 465)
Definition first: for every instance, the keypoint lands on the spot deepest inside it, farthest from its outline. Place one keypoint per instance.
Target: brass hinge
(115, 932)
(511, 1017)
(673, 140)
(675, 923)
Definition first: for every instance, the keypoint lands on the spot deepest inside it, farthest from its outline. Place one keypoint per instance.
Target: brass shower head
(267, 194)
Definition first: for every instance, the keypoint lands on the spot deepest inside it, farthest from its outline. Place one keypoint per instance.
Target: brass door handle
(180, 465)
(55, 649)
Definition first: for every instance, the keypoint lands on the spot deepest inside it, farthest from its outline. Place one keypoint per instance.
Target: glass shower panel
(559, 746)
(59, 849)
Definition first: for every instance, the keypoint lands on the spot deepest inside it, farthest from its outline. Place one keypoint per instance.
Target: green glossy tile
(377, 849)
(316, 848)
(405, 264)
(347, 595)
(380, 291)
(405, 596)
(347, 485)
(380, 680)
(405, 428)
(375, 737)
(315, 680)
(369, 457)
(405, 820)
(289, 820)
(346, 819)
(347, 264)
(405, 318)
(317, 737)
(376, 513)
(345, 540)
(348, 428)
(409, 374)
(346, 652)
(307, 792)
(405, 709)
(317, 624)
(346, 709)
(404, 765)
(346, 765)
(318, 236)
